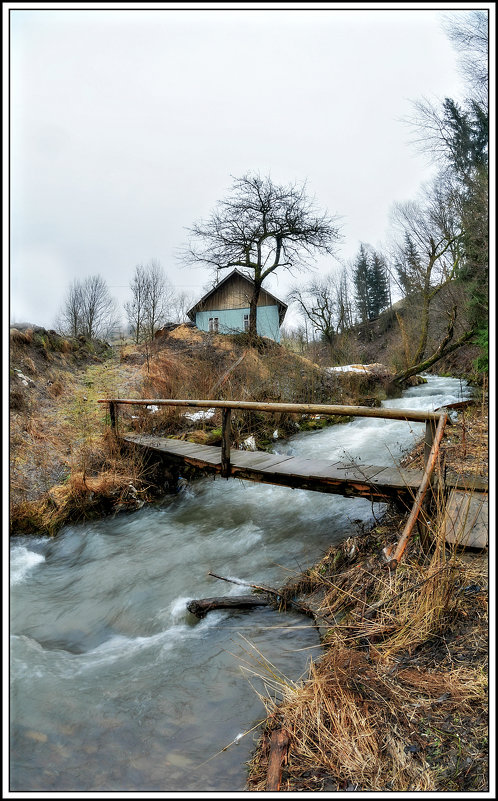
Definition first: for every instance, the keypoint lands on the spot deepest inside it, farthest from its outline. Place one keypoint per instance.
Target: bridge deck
(369, 481)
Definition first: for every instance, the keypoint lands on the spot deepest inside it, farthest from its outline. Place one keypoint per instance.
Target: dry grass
(363, 717)
(398, 701)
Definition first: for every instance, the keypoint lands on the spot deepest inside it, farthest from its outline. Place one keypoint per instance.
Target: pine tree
(378, 286)
(361, 284)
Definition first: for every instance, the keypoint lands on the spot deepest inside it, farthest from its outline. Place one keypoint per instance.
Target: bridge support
(226, 442)
(430, 432)
(113, 414)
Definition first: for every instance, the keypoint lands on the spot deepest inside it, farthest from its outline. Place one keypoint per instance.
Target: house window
(246, 322)
(213, 325)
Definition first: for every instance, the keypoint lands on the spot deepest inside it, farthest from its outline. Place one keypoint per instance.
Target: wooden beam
(430, 431)
(412, 415)
(226, 442)
(395, 557)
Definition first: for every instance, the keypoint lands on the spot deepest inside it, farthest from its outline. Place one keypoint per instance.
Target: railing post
(226, 441)
(430, 431)
(113, 414)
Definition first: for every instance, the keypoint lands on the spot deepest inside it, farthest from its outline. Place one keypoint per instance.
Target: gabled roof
(282, 307)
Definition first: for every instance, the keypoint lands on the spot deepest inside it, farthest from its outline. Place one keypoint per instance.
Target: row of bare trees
(89, 309)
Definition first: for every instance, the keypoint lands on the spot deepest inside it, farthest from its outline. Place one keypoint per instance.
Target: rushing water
(114, 685)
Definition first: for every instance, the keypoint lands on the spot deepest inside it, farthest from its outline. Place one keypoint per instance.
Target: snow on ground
(200, 415)
(349, 368)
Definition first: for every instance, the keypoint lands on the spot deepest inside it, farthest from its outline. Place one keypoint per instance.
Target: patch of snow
(275, 434)
(152, 408)
(200, 415)
(249, 444)
(349, 368)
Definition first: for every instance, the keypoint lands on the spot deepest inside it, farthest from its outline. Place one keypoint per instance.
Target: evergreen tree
(361, 284)
(378, 286)
(467, 137)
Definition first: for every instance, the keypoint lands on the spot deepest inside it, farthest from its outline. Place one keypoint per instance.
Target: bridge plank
(466, 519)
(323, 475)
(257, 459)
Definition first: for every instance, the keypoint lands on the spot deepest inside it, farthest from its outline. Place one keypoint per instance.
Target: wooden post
(226, 441)
(430, 431)
(279, 745)
(426, 480)
(113, 414)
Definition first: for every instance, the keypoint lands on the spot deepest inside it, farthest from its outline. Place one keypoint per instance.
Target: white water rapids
(115, 687)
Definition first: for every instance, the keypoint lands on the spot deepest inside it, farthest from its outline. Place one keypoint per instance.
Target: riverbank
(66, 467)
(398, 701)
(99, 615)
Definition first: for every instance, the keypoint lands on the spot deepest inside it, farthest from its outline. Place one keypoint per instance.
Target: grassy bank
(398, 701)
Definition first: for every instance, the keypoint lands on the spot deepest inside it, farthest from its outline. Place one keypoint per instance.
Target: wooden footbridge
(375, 482)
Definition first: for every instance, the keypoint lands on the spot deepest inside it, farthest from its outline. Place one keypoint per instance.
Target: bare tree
(468, 31)
(159, 297)
(317, 301)
(260, 228)
(88, 309)
(98, 308)
(344, 304)
(152, 299)
(181, 303)
(135, 308)
(433, 227)
(70, 316)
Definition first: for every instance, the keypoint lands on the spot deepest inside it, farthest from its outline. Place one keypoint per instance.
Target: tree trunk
(253, 331)
(436, 356)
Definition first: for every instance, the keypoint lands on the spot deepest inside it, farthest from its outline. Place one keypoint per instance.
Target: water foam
(22, 561)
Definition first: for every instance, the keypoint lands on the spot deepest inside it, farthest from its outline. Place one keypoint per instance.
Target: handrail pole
(412, 519)
(413, 415)
(226, 442)
(113, 413)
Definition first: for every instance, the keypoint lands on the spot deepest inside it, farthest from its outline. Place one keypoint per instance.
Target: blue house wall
(231, 321)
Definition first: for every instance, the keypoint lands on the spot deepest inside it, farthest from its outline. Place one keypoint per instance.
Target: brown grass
(398, 701)
(360, 718)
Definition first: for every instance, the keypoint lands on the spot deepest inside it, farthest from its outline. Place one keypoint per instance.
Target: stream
(114, 685)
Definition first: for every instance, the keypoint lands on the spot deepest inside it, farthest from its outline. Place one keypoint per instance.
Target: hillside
(391, 338)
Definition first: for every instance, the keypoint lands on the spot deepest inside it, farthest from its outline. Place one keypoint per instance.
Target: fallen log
(278, 754)
(283, 602)
(201, 607)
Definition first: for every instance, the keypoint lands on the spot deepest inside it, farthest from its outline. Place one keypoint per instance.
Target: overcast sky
(127, 125)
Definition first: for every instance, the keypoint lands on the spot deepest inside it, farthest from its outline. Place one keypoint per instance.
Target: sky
(128, 124)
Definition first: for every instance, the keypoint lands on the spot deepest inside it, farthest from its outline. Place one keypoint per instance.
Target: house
(225, 308)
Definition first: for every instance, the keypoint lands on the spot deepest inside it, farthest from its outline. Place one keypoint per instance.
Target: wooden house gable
(235, 292)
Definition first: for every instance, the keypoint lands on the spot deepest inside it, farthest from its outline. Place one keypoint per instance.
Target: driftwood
(305, 610)
(201, 607)
(279, 744)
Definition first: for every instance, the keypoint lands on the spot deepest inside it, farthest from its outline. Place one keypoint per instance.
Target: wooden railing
(431, 419)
